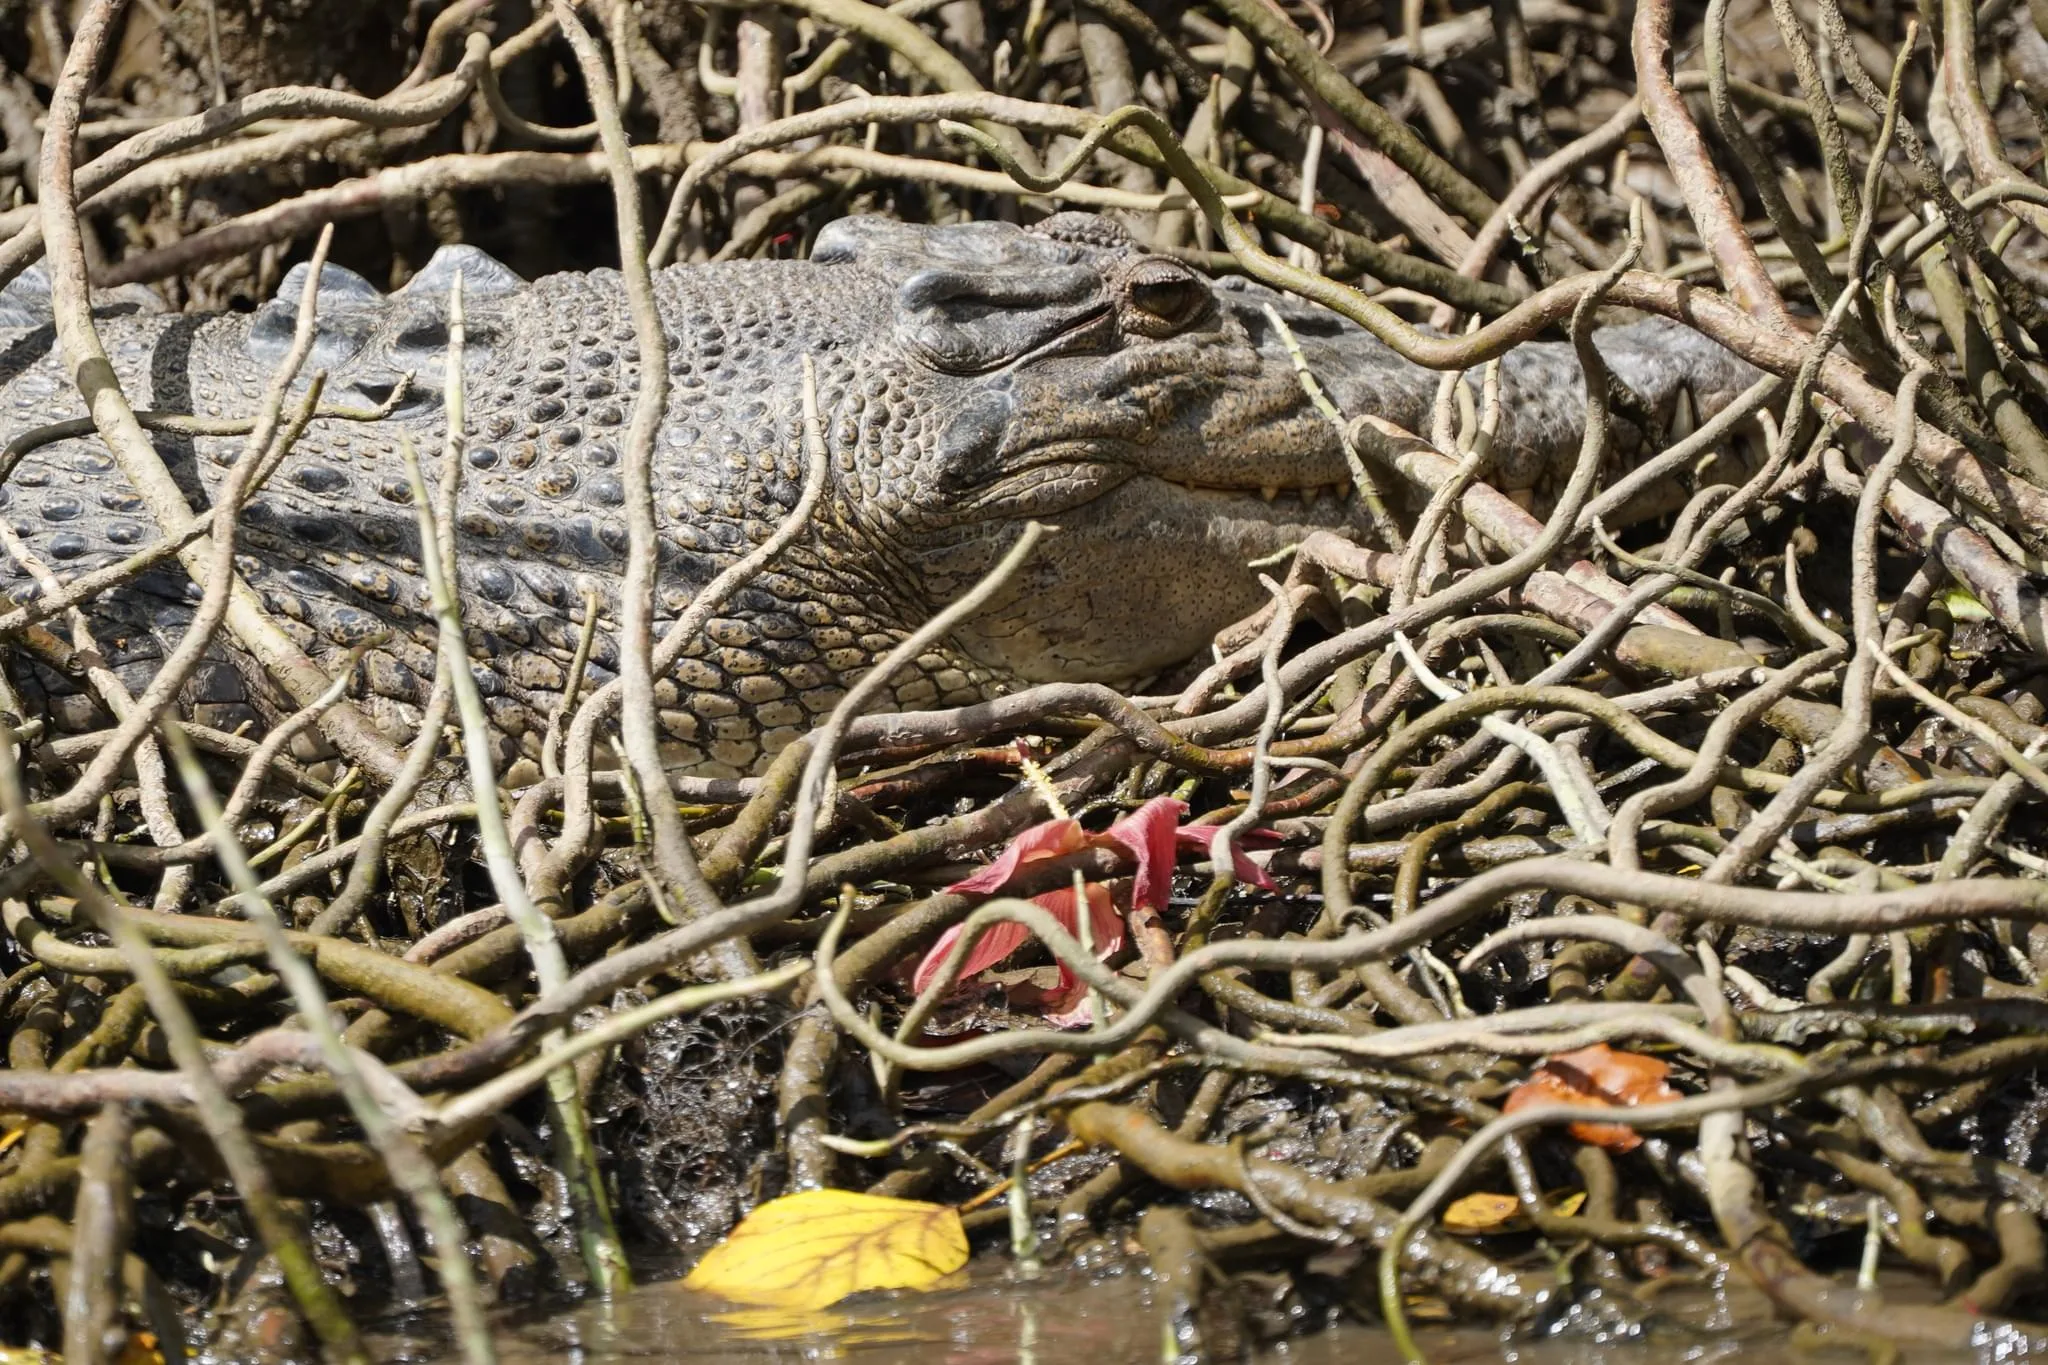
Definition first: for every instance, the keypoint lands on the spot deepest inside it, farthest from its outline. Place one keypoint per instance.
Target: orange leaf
(141, 1349)
(1597, 1075)
(1624, 1077)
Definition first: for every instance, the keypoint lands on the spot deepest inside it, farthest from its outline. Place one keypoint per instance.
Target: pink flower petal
(1201, 838)
(1105, 925)
(1068, 1005)
(1052, 839)
(1147, 833)
(999, 940)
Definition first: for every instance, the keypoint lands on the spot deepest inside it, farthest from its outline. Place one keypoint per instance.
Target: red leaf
(1053, 839)
(1147, 834)
(999, 940)
(1597, 1075)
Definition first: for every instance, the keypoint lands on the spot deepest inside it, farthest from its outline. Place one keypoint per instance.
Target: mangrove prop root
(1717, 749)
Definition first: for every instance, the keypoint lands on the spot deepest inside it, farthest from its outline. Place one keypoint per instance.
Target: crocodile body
(970, 378)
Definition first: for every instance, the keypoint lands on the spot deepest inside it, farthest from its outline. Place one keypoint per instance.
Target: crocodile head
(1152, 417)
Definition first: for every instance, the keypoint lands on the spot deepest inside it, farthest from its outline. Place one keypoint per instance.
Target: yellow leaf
(812, 1249)
(1962, 606)
(10, 1137)
(1477, 1215)
(1481, 1213)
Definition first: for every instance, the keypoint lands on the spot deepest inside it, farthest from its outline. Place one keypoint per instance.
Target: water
(1072, 1319)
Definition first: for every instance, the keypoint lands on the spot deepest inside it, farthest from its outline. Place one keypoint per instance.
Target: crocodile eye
(1163, 301)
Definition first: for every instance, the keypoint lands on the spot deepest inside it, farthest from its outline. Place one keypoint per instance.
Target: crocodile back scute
(330, 543)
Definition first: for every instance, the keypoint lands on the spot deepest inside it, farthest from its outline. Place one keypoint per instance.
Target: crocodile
(969, 378)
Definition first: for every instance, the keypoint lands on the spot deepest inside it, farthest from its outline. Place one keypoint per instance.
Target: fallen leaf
(1597, 1075)
(1962, 606)
(1477, 1214)
(1623, 1077)
(813, 1248)
(140, 1349)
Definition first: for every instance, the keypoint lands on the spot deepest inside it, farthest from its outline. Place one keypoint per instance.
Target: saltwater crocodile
(970, 378)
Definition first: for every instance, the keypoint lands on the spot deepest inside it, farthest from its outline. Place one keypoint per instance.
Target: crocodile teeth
(1311, 496)
(1685, 417)
(1269, 492)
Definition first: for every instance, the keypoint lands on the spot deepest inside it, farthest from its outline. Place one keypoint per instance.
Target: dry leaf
(812, 1249)
(1597, 1075)
(1478, 1214)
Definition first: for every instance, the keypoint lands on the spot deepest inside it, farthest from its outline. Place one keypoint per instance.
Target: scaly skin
(971, 378)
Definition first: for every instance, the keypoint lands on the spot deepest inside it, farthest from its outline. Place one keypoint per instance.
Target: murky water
(1069, 1319)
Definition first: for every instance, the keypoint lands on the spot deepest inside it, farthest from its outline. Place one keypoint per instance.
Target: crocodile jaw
(1137, 581)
